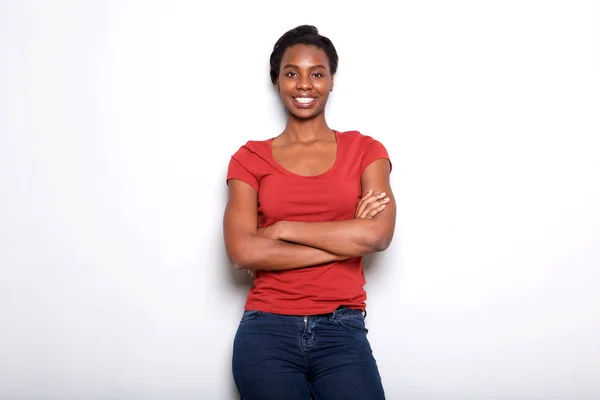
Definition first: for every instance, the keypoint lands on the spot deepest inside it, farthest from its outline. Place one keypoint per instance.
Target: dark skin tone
(307, 147)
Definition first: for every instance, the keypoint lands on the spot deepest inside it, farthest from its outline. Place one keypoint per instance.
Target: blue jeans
(283, 357)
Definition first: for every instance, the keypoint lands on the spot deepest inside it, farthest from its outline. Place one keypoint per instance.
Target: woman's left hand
(370, 205)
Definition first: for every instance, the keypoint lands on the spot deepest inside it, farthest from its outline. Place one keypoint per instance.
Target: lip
(304, 105)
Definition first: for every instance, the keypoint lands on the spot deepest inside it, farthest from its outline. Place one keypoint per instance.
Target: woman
(297, 219)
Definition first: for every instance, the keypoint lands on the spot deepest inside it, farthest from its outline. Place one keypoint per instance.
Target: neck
(306, 130)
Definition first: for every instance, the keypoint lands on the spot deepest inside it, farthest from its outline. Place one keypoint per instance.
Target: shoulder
(367, 149)
(248, 163)
(357, 140)
(253, 149)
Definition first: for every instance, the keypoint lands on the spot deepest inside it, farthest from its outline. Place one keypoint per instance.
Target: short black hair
(303, 34)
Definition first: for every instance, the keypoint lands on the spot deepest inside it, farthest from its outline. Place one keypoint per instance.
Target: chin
(304, 114)
(304, 117)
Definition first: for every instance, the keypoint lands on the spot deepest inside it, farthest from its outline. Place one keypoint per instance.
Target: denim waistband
(347, 311)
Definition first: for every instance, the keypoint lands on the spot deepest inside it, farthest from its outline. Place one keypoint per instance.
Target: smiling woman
(305, 80)
(303, 209)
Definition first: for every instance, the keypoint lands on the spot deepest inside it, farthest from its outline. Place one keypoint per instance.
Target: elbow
(380, 234)
(381, 244)
(240, 259)
(379, 241)
(237, 262)
(243, 262)
(242, 251)
(246, 252)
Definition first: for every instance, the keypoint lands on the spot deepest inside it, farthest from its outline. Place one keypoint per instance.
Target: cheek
(284, 95)
(325, 94)
(325, 87)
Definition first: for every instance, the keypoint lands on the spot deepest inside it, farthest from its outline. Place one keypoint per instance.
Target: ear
(332, 83)
(277, 84)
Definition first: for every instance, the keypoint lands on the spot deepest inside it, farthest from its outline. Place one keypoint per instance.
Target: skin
(308, 147)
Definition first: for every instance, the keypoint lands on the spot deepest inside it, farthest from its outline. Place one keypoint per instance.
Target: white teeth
(304, 99)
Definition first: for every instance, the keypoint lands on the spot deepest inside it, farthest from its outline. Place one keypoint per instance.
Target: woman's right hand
(370, 205)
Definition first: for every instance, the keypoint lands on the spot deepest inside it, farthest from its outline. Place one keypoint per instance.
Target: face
(304, 80)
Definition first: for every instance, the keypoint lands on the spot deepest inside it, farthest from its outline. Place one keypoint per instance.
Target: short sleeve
(374, 151)
(240, 167)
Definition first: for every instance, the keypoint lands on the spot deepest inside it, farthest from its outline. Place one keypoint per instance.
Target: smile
(304, 101)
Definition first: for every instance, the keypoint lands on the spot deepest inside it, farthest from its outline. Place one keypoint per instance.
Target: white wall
(117, 120)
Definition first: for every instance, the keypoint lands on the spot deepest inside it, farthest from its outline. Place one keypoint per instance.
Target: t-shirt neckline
(321, 175)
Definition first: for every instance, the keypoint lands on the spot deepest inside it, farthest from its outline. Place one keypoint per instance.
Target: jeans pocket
(354, 322)
(250, 314)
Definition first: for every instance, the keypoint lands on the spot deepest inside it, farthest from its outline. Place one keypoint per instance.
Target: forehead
(304, 55)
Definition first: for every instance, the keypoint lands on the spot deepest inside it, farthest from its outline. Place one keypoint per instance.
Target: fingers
(364, 204)
(376, 208)
(371, 205)
(251, 272)
(361, 204)
(375, 211)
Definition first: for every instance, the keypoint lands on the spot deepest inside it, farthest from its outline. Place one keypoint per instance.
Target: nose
(304, 82)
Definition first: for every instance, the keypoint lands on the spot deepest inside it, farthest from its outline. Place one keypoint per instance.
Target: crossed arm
(290, 245)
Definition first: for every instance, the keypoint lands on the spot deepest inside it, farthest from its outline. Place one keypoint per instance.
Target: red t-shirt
(331, 196)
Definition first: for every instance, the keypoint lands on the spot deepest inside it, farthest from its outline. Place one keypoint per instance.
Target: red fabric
(331, 196)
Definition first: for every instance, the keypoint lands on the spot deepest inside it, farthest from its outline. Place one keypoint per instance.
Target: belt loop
(335, 312)
(332, 315)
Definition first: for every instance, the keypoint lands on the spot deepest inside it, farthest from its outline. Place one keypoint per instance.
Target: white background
(117, 121)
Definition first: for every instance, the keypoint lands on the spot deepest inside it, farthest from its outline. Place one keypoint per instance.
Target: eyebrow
(295, 66)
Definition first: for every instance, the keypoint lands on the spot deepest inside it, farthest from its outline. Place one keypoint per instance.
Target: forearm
(260, 253)
(351, 238)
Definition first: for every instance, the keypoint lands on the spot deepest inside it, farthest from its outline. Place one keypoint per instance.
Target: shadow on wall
(383, 270)
(370, 261)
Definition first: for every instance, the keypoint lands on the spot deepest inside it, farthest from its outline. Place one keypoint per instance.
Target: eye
(318, 75)
(291, 74)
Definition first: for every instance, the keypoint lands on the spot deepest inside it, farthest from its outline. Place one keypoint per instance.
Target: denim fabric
(282, 357)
